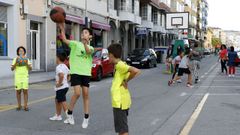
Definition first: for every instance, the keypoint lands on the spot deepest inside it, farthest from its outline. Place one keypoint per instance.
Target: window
(144, 12)
(3, 39)
(155, 17)
(3, 31)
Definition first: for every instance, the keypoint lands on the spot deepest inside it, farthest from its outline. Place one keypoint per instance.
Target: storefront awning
(75, 19)
(101, 26)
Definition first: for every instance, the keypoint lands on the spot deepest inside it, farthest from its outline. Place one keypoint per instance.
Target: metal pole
(86, 18)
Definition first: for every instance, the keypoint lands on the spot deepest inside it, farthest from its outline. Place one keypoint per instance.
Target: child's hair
(223, 46)
(187, 51)
(116, 50)
(21, 47)
(62, 56)
(232, 49)
(88, 29)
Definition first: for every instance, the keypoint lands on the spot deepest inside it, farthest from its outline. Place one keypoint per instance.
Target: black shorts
(80, 80)
(61, 95)
(181, 71)
(120, 120)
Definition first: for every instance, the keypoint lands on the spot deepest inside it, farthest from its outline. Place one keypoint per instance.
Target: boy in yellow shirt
(121, 99)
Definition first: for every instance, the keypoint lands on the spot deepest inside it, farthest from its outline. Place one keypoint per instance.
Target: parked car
(101, 66)
(143, 58)
(207, 52)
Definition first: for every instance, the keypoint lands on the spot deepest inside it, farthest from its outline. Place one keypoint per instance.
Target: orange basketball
(58, 15)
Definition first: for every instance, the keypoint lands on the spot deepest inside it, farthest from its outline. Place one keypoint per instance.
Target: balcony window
(155, 17)
(125, 5)
(144, 12)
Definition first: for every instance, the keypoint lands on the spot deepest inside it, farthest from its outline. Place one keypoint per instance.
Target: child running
(121, 99)
(232, 56)
(61, 88)
(80, 70)
(21, 65)
(184, 67)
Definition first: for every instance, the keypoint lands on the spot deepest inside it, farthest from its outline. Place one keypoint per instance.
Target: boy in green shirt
(121, 99)
(80, 70)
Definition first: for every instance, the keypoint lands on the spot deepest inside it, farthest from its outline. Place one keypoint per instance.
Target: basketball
(22, 61)
(58, 15)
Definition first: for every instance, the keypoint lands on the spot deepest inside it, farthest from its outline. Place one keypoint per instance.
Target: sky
(224, 14)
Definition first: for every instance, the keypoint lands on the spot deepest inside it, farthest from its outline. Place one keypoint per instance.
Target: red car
(101, 66)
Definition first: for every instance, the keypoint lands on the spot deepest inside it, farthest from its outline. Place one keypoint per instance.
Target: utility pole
(85, 14)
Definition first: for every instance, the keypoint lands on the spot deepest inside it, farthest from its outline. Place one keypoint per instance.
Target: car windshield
(140, 52)
(97, 54)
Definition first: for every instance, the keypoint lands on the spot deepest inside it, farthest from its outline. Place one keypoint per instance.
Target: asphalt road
(209, 108)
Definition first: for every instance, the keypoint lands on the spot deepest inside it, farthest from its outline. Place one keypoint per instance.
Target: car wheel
(99, 74)
(155, 65)
(149, 64)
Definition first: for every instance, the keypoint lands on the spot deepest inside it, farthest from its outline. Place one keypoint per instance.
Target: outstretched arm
(62, 32)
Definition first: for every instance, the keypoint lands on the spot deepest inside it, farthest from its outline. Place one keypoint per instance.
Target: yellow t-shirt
(120, 96)
(21, 72)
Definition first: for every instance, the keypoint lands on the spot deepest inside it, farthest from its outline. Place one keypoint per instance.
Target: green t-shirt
(21, 72)
(80, 62)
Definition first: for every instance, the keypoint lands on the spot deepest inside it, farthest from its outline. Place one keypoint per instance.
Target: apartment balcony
(126, 16)
(164, 7)
(158, 28)
(138, 20)
(147, 24)
(113, 14)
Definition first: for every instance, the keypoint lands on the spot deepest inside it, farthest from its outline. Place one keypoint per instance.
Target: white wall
(97, 6)
(76, 3)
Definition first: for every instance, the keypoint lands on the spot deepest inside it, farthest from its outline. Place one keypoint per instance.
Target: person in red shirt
(223, 57)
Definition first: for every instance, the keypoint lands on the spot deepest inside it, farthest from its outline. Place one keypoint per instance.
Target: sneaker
(179, 81)
(85, 123)
(170, 82)
(189, 85)
(56, 118)
(69, 120)
(229, 75)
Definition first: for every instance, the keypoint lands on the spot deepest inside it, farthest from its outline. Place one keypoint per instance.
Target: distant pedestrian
(232, 56)
(21, 65)
(61, 86)
(223, 58)
(184, 67)
(195, 60)
(121, 99)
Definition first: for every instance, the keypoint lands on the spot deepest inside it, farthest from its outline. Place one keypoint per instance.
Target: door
(35, 46)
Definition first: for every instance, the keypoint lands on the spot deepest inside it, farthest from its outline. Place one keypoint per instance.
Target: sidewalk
(35, 77)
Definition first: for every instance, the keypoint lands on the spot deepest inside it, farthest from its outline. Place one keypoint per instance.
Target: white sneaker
(85, 123)
(69, 120)
(229, 75)
(56, 118)
(179, 81)
(189, 85)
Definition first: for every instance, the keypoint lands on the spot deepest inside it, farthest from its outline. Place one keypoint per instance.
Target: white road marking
(220, 86)
(212, 94)
(155, 121)
(183, 94)
(202, 76)
(187, 128)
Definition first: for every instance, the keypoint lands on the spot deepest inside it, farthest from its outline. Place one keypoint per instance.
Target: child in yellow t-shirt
(121, 99)
(21, 65)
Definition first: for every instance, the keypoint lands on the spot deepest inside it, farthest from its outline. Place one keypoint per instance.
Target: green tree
(216, 41)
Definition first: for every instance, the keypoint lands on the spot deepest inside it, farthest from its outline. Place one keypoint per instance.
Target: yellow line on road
(11, 107)
(187, 128)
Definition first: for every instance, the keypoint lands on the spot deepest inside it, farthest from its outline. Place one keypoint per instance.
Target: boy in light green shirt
(121, 99)
(80, 70)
